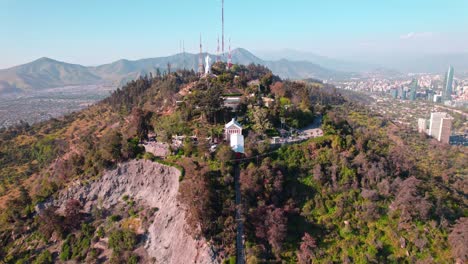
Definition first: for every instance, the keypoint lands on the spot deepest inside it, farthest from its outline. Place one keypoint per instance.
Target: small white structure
(232, 127)
(207, 65)
(276, 140)
(237, 143)
(232, 102)
(233, 133)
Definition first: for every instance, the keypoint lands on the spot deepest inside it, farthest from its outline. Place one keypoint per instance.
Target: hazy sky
(92, 32)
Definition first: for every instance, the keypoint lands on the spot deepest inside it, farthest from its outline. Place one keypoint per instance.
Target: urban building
(445, 130)
(403, 94)
(448, 84)
(414, 88)
(430, 95)
(440, 126)
(394, 93)
(400, 92)
(422, 125)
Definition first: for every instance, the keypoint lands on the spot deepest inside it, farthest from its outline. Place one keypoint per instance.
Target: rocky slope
(155, 186)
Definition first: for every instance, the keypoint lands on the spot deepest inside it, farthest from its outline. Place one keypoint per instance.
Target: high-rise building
(422, 125)
(448, 84)
(445, 130)
(414, 88)
(403, 94)
(430, 95)
(434, 123)
(394, 93)
(440, 126)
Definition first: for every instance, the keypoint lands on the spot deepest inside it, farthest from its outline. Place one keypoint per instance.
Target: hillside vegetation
(367, 191)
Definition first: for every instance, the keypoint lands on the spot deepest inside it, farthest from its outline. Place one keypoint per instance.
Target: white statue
(207, 65)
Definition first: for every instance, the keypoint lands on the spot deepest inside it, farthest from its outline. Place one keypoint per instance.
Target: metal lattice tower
(222, 21)
(217, 52)
(183, 53)
(200, 59)
(229, 56)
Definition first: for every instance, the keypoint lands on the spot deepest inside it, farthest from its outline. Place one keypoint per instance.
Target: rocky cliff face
(152, 185)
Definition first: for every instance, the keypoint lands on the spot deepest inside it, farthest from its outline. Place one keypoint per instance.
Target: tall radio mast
(222, 18)
(200, 59)
(217, 52)
(183, 52)
(229, 56)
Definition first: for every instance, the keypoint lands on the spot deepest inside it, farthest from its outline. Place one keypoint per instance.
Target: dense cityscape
(416, 99)
(51, 103)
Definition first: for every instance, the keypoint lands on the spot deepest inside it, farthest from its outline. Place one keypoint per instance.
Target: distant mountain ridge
(48, 73)
(390, 64)
(327, 62)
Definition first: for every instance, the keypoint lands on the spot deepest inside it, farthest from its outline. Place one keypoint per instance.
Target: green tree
(44, 258)
(188, 147)
(224, 153)
(170, 125)
(131, 148)
(209, 102)
(66, 252)
(260, 119)
(122, 240)
(111, 146)
(266, 81)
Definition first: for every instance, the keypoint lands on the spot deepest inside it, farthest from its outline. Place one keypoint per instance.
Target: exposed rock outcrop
(154, 185)
(158, 149)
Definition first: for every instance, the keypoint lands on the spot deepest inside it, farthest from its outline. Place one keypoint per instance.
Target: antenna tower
(200, 59)
(217, 52)
(183, 52)
(229, 56)
(222, 21)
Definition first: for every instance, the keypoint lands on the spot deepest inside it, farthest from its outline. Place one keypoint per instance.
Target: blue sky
(93, 32)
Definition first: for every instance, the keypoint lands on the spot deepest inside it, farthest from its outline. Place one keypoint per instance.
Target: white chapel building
(233, 133)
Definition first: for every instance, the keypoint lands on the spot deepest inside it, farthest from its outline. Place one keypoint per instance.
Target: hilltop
(83, 188)
(47, 73)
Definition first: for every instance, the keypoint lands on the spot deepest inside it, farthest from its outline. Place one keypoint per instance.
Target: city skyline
(92, 33)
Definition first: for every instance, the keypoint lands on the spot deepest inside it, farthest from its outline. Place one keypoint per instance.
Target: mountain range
(48, 73)
(327, 62)
(289, 64)
(388, 64)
